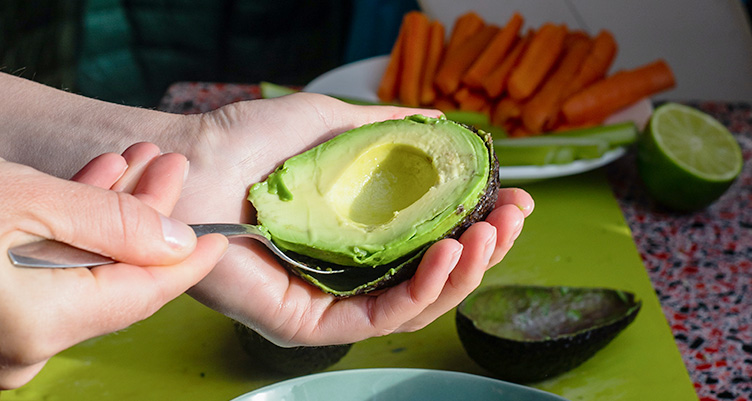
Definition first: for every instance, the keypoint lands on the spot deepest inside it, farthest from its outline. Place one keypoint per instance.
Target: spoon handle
(53, 254)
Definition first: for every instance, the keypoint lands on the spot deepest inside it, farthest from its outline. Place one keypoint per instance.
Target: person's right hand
(44, 311)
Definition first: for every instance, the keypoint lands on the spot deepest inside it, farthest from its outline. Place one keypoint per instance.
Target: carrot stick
(471, 100)
(569, 127)
(541, 111)
(445, 103)
(495, 82)
(387, 89)
(465, 26)
(596, 65)
(519, 132)
(461, 94)
(604, 97)
(494, 53)
(456, 63)
(435, 51)
(413, 57)
(537, 60)
(504, 111)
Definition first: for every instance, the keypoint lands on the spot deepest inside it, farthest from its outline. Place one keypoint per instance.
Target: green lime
(686, 158)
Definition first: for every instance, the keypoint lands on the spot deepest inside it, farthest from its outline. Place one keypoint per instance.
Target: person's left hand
(240, 144)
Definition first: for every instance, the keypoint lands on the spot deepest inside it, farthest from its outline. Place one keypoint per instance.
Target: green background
(576, 236)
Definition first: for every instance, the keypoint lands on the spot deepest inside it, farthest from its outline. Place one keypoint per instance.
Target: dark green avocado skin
(534, 361)
(288, 361)
(345, 285)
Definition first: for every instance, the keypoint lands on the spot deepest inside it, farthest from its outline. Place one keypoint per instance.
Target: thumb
(110, 223)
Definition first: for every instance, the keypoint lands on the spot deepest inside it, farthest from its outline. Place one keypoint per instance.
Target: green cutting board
(576, 236)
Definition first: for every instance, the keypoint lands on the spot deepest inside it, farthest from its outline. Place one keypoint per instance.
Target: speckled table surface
(700, 264)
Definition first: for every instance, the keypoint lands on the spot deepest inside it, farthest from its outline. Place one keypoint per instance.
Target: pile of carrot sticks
(528, 81)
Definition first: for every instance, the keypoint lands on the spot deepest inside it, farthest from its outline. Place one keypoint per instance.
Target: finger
(161, 183)
(103, 171)
(138, 292)
(138, 156)
(509, 221)
(361, 115)
(383, 314)
(478, 243)
(517, 197)
(106, 222)
(119, 295)
(337, 116)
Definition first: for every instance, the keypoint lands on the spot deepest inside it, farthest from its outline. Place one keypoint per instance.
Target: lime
(686, 158)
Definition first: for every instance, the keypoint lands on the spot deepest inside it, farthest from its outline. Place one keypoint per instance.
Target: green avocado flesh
(374, 197)
(531, 333)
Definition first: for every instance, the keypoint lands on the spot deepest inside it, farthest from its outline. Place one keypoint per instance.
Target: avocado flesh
(376, 193)
(370, 201)
(530, 333)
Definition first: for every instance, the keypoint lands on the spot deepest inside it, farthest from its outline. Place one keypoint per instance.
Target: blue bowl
(396, 385)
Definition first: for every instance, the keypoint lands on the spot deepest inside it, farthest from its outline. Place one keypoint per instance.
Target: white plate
(359, 80)
(396, 385)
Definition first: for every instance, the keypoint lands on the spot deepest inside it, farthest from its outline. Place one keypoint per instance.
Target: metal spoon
(54, 254)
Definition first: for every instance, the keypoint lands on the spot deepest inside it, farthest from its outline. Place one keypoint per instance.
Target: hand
(241, 144)
(44, 311)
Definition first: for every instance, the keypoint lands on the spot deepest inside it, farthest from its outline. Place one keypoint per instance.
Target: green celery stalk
(564, 147)
(540, 151)
(620, 134)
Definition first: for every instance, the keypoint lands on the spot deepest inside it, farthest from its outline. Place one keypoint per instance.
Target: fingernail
(456, 256)
(490, 247)
(176, 233)
(517, 232)
(186, 171)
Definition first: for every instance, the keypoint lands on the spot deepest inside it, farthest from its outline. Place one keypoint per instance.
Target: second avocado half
(371, 200)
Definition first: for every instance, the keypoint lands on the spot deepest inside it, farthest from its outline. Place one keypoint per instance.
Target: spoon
(54, 254)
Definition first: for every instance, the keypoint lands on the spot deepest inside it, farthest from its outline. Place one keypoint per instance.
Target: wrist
(58, 132)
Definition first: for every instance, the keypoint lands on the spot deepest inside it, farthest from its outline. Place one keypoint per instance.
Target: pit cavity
(381, 182)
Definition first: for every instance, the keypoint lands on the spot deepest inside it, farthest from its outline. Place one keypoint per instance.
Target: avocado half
(526, 334)
(372, 200)
(300, 360)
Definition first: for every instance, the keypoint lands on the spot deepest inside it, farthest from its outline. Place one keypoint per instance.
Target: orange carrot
(541, 111)
(465, 26)
(495, 82)
(387, 89)
(461, 94)
(575, 36)
(445, 103)
(494, 53)
(541, 55)
(518, 131)
(504, 111)
(413, 57)
(604, 97)
(563, 127)
(456, 63)
(596, 65)
(471, 100)
(435, 51)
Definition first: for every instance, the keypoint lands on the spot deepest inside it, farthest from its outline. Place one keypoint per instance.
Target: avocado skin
(351, 282)
(534, 361)
(288, 361)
